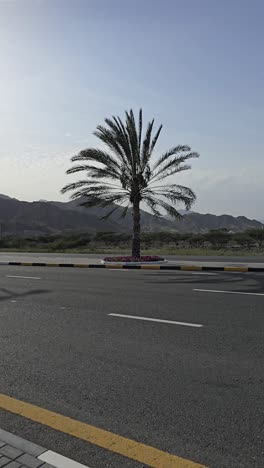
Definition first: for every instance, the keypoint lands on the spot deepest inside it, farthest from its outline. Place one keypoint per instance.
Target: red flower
(130, 259)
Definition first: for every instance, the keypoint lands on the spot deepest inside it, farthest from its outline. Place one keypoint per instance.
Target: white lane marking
(136, 317)
(157, 272)
(12, 301)
(59, 461)
(200, 273)
(23, 277)
(228, 292)
(183, 272)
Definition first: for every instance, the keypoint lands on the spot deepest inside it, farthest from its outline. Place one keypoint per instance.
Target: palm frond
(89, 183)
(107, 215)
(108, 137)
(100, 172)
(152, 203)
(94, 154)
(121, 137)
(170, 210)
(74, 185)
(95, 171)
(175, 188)
(145, 154)
(139, 129)
(175, 193)
(171, 152)
(104, 201)
(124, 211)
(155, 139)
(132, 137)
(174, 163)
(173, 170)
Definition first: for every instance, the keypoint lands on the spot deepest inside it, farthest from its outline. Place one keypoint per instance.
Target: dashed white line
(184, 272)
(59, 461)
(228, 292)
(200, 273)
(178, 272)
(23, 277)
(148, 319)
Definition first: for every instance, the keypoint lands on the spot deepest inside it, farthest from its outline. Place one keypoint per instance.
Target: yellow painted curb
(128, 448)
(117, 267)
(191, 268)
(26, 263)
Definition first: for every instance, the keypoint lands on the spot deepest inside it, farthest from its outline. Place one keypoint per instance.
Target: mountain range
(25, 219)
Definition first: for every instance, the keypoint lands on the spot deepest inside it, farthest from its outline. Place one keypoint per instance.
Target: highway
(184, 373)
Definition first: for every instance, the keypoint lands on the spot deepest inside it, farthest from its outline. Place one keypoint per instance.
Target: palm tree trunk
(136, 230)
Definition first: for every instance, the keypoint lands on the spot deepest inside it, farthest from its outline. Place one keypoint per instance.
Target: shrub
(243, 239)
(130, 259)
(258, 237)
(218, 239)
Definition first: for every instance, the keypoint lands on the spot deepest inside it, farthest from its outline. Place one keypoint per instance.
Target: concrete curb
(26, 453)
(140, 267)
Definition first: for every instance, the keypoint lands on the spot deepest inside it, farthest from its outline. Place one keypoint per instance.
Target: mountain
(197, 222)
(20, 218)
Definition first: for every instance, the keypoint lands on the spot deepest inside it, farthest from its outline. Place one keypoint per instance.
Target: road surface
(190, 382)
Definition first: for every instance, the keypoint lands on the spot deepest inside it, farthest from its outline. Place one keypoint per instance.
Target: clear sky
(195, 65)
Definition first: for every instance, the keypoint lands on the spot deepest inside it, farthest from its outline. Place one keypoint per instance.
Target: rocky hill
(20, 218)
(197, 222)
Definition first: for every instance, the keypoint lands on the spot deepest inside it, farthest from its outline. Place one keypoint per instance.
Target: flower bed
(130, 259)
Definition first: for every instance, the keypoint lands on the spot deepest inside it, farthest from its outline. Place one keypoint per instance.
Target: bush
(197, 240)
(218, 239)
(258, 237)
(130, 259)
(243, 239)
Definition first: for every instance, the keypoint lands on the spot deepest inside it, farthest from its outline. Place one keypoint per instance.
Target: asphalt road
(194, 392)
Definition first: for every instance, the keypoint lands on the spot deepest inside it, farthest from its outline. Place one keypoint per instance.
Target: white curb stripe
(23, 277)
(172, 322)
(228, 292)
(59, 461)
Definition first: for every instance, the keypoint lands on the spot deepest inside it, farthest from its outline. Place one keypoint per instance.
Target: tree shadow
(253, 283)
(12, 295)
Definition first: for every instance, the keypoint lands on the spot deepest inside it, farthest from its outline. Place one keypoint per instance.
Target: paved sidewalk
(16, 452)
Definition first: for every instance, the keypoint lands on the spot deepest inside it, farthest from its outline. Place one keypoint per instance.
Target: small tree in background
(218, 239)
(257, 235)
(243, 239)
(126, 174)
(197, 240)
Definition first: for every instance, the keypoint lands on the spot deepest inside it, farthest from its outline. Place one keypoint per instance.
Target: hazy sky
(195, 65)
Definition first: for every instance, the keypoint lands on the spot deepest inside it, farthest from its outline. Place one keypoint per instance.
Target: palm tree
(125, 175)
